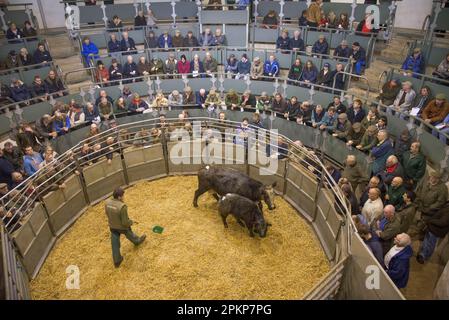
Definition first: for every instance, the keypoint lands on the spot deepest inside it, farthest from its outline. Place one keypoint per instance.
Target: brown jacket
(434, 113)
(314, 13)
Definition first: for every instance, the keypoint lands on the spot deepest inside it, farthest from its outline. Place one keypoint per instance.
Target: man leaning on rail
(119, 223)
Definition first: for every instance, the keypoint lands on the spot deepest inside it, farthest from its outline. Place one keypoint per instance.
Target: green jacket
(117, 213)
(414, 166)
(431, 198)
(395, 196)
(406, 216)
(368, 142)
(392, 228)
(211, 65)
(342, 131)
(355, 176)
(231, 99)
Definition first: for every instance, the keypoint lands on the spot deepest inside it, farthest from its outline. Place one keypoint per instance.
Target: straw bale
(194, 258)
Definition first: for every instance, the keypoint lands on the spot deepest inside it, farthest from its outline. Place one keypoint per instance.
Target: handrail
(423, 77)
(76, 71)
(426, 22)
(27, 68)
(384, 73)
(357, 76)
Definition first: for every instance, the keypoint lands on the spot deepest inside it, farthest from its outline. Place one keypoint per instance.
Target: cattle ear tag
(158, 229)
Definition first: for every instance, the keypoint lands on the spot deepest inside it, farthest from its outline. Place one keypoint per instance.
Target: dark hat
(12, 52)
(327, 64)
(245, 56)
(356, 44)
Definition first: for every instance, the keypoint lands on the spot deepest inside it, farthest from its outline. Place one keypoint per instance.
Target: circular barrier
(125, 157)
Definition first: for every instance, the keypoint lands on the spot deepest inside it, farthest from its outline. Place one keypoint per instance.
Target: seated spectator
(325, 77)
(279, 105)
(338, 77)
(232, 99)
(196, 67)
(143, 68)
(25, 58)
(19, 92)
(140, 20)
(165, 41)
(175, 100)
(358, 57)
(442, 71)
(115, 24)
(382, 123)
(13, 33)
(41, 55)
(61, 123)
(190, 41)
(248, 101)
(397, 260)
(381, 152)
(54, 84)
(13, 155)
(407, 212)
(130, 68)
(373, 208)
(127, 44)
(302, 21)
(28, 31)
(151, 20)
(156, 66)
(89, 52)
(210, 64)
(296, 42)
(355, 112)
(402, 143)
(183, 65)
(13, 60)
(404, 99)
(295, 71)
(213, 101)
(372, 242)
(101, 73)
(91, 113)
(160, 102)
(115, 71)
(283, 42)
(31, 161)
(309, 73)
(257, 69)
(270, 21)
(170, 64)
(414, 64)
(201, 97)
(105, 108)
(317, 116)
(420, 101)
(389, 92)
(342, 127)
(320, 46)
(206, 38)
(436, 110)
(219, 38)
(395, 193)
(152, 41)
(387, 227)
(137, 105)
(414, 164)
(329, 119)
(243, 67)
(114, 46)
(342, 50)
(343, 22)
(231, 65)
(370, 120)
(355, 135)
(178, 40)
(188, 96)
(77, 116)
(293, 110)
(120, 106)
(443, 130)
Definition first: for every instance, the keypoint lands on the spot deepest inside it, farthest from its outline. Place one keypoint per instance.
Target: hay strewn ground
(194, 258)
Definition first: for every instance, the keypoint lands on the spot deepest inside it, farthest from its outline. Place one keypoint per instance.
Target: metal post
(2, 17)
(81, 179)
(173, 5)
(256, 14)
(198, 3)
(352, 18)
(281, 13)
(105, 18)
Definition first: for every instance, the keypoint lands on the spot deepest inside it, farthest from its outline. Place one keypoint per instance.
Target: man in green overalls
(119, 223)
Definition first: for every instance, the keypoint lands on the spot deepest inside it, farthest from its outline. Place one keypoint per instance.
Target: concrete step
(75, 87)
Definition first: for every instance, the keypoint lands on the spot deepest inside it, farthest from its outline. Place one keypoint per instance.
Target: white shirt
(390, 254)
(372, 209)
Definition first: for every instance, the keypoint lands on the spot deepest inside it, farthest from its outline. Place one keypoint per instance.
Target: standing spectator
(314, 14)
(243, 67)
(372, 242)
(387, 227)
(178, 39)
(354, 173)
(374, 182)
(28, 31)
(219, 38)
(54, 84)
(302, 21)
(130, 68)
(6, 169)
(283, 42)
(342, 127)
(431, 196)
(190, 41)
(257, 69)
(309, 73)
(293, 109)
(140, 20)
(201, 97)
(206, 38)
(358, 57)
(13, 155)
(183, 66)
(127, 44)
(404, 99)
(329, 119)
(232, 99)
(175, 100)
(402, 143)
(342, 50)
(270, 21)
(371, 119)
(89, 52)
(31, 161)
(321, 47)
(41, 55)
(165, 41)
(397, 260)
(248, 101)
(188, 96)
(296, 42)
(102, 74)
(407, 212)
(355, 134)
(151, 20)
(393, 168)
(381, 152)
(210, 64)
(395, 193)
(13, 33)
(279, 105)
(44, 128)
(436, 110)
(105, 109)
(77, 116)
(61, 123)
(295, 71)
(91, 113)
(373, 206)
(339, 77)
(414, 64)
(414, 164)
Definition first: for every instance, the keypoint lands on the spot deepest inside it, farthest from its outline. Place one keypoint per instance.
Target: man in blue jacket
(397, 260)
(271, 67)
(114, 46)
(20, 92)
(127, 44)
(165, 41)
(320, 46)
(358, 57)
(243, 67)
(89, 51)
(201, 97)
(342, 50)
(41, 55)
(283, 42)
(31, 161)
(414, 64)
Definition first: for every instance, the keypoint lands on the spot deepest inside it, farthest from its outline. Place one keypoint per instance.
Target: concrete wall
(410, 14)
